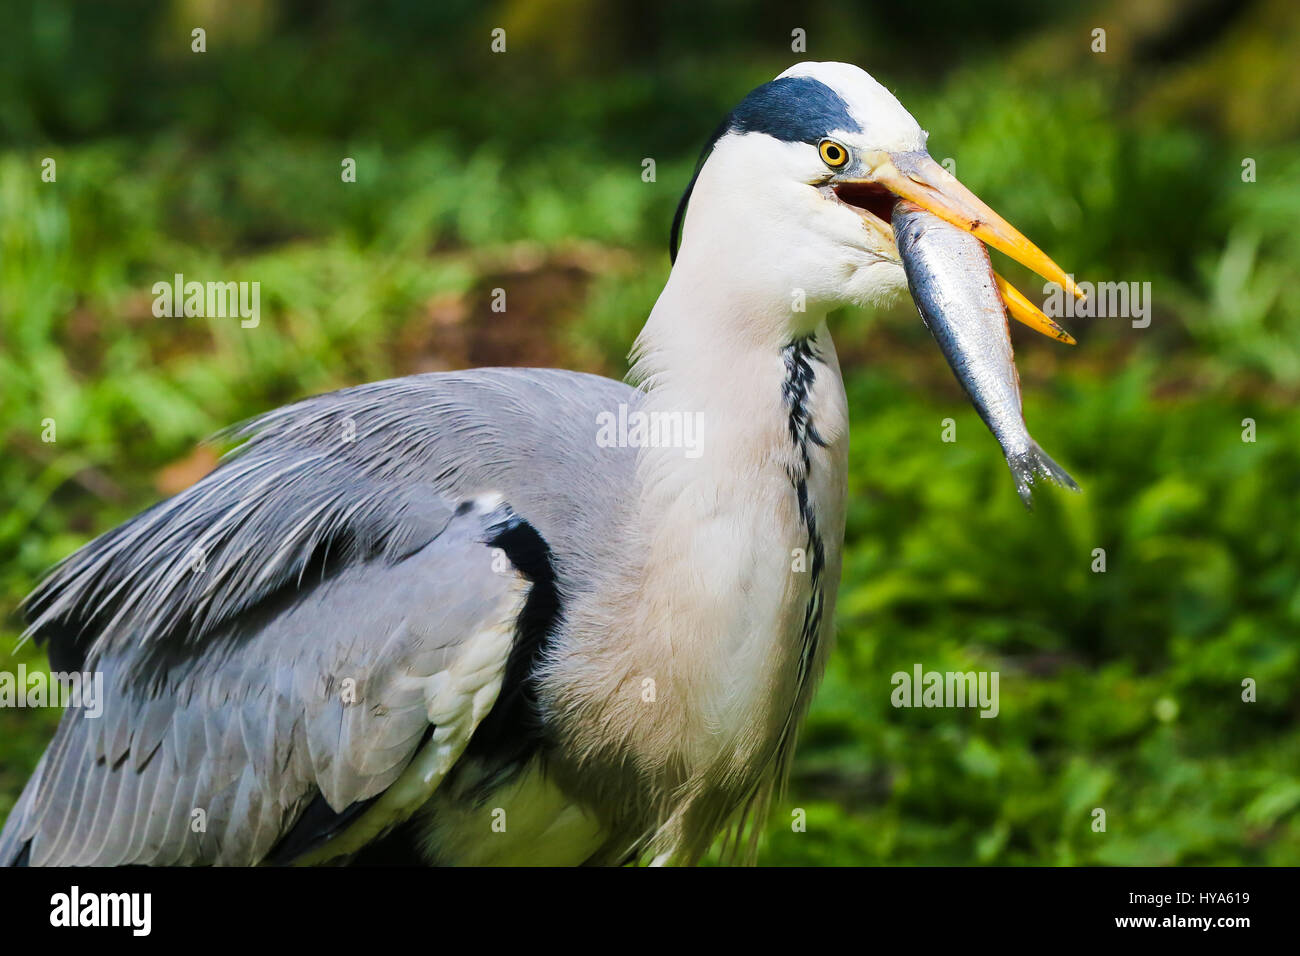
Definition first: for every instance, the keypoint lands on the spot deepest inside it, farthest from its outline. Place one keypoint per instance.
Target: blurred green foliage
(1119, 690)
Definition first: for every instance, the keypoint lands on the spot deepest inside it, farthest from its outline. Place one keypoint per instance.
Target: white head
(794, 194)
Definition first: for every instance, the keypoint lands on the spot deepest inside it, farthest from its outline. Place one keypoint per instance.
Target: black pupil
(833, 154)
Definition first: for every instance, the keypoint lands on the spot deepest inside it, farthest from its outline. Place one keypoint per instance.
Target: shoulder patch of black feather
(504, 741)
(513, 730)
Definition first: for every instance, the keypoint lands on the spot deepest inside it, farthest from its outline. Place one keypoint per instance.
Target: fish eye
(833, 154)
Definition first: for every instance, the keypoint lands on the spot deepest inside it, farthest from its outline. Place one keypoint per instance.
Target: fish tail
(1032, 463)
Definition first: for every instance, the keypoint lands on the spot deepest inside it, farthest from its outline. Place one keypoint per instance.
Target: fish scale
(952, 282)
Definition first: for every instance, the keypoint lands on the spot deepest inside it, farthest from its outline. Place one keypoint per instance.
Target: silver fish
(951, 279)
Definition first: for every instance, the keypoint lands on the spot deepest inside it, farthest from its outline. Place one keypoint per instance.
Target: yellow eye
(833, 154)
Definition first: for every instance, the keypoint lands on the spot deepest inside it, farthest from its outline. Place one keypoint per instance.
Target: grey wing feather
(337, 554)
(343, 474)
(364, 674)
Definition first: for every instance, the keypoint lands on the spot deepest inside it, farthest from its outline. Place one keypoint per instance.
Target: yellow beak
(915, 176)
(1022, 310)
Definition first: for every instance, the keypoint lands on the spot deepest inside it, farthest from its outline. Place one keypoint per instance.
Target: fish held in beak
(956, 291)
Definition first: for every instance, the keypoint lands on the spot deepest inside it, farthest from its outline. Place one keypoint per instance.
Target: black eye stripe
(793, 109)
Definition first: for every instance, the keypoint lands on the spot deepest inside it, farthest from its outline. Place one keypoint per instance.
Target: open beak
(915, 176)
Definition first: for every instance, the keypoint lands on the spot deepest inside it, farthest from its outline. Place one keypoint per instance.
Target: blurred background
(1120, 690)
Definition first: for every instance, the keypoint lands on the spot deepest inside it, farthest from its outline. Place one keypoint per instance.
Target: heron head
(796, 188)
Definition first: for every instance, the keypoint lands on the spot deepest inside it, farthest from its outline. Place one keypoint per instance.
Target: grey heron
(436, 618)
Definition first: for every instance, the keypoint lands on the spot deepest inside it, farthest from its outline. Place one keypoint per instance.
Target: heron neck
(722, 361)
(708, 613)
(713, 343)
(717, 609)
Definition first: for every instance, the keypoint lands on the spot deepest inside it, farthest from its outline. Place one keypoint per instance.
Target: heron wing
(296, 650)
